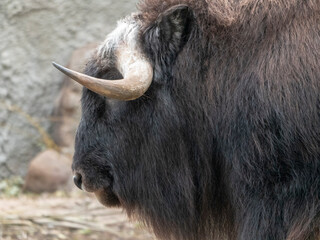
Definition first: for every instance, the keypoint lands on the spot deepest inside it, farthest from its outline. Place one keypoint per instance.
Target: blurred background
(39, 113)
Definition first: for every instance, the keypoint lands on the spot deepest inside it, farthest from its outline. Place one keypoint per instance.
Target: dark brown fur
(226, 142)
(265, 54)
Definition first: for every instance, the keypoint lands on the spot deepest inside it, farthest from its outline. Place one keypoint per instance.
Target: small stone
(49, 171)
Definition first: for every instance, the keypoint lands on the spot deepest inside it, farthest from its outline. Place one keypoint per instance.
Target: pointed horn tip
(58, 66)
(63, 69)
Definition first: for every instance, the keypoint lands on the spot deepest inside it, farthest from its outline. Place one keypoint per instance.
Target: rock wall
(34, 33)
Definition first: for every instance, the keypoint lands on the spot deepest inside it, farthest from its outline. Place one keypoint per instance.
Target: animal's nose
(77, 179)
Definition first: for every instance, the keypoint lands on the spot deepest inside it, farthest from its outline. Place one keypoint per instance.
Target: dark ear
(173, 25)
(169, 32)
(166, 37)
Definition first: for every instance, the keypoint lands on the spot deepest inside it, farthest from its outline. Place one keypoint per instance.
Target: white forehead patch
(126, 32)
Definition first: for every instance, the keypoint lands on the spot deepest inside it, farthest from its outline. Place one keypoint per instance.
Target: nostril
(77, 179)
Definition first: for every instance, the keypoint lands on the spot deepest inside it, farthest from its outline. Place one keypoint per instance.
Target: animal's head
(137, 145)
(183, 102)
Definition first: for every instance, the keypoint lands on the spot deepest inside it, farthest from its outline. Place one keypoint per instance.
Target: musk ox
(208, 126)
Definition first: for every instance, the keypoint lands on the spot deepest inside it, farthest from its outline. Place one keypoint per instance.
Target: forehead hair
(126, 32)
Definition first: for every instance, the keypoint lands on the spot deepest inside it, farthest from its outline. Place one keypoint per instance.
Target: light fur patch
(131, 63)
(126, 33)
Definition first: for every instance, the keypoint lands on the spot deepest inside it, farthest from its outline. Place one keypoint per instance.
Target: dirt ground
(58, 216)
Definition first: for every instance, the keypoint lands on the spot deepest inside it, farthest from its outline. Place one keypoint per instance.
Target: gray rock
(34, 33)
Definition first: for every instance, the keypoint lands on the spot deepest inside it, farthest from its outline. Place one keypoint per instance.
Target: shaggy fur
(226, 142)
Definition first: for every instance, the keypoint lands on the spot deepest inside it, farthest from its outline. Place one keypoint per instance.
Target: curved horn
(137, 73)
